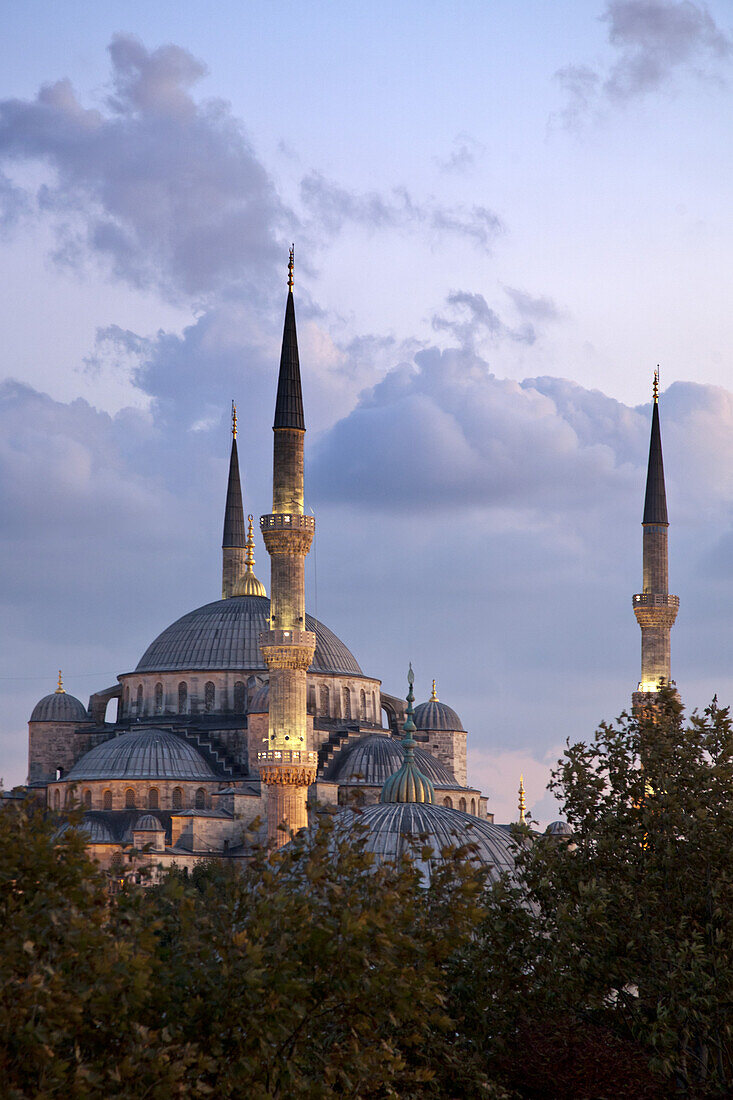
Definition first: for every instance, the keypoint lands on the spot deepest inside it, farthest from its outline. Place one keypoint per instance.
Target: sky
(505, 216)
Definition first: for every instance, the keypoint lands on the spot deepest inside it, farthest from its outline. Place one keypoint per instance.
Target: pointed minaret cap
(408, 784)
(60, 690)
(655, 501)
(289, 403)
(234, 512)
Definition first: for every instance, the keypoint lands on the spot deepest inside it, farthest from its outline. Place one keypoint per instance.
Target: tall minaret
(654, 608)
(287, 767)
(233, 543)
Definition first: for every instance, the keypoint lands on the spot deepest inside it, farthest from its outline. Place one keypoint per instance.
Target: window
(240, 697)
(346, 697)
(325, 700)
(376, 714)
(311, 700)
(182, 697)
(200, 802)
(86, 799)
(448, 802)
(158, 698)
(462, 805)
(177, 798)
(473, 805)
(57, 800)
(362, 704)
(153, 798)
(139, 698)
(129, 799)
(107, 800)
(127, 700)
(209, 696)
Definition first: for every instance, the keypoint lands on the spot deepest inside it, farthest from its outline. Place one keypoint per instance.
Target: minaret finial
(234, 420)
(291, 265)
(655, 386)
(60, 688)
(522, 804)
(249, 557)
(434, 694)
(408, 784)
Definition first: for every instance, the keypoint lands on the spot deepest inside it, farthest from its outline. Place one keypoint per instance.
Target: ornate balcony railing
(287, 756)
(655, 599)
(284, 521)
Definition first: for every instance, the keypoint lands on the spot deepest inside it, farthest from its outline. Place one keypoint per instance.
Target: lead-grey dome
(260, 701)
(371, 760)
(435, 715)
(93, 829)
(144, 754)
(59, 707)
(148, 823)
(226, 634)
(393, 827)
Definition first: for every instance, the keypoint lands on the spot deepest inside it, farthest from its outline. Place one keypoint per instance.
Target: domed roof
(558, 828)
(59, 707)
(143, 754)
(435, 715)
(94, 830)
(148, 823)
(260, 701)
(226, 634)
(373, 759)
(393, 826)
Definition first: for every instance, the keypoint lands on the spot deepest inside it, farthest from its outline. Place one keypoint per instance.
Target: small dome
(260, 701)
(148, 823)
(145, 754)
(373, 759)
(558, 828)
(435, 715)
(93, 829)
(60, 707)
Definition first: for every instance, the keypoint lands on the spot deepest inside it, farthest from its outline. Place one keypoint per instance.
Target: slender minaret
(287, 767)
(233, 543)
(654, 608)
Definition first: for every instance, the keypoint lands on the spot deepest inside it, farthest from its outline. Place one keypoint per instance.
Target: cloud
(474, 319)
(334, 207)
(464, 153)
(167, 190)
(653, 41)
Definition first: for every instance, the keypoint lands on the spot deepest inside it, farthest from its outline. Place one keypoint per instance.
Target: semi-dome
(260, 701)
(373, 759)
(142, 754)
(435, 715)
(226, 634)
(148, 823)
(59, 707)
(93, 829)
(393, 828)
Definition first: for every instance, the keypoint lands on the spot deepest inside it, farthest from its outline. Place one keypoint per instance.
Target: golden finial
(522, 804)
(655, 386)
(234, 420)
(249, 556)
(291, 265)
(251, 586)
(434, 694)
(60, 688)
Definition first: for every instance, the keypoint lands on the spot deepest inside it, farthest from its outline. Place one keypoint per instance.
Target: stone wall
(76, 793)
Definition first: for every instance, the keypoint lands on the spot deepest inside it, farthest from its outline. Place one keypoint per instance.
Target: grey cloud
(531, 307)
(474, 319)
(463, 155)
(165, 188)
(13, 204)
(333, 207)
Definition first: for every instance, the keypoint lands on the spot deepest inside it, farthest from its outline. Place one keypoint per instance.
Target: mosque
(246, 716)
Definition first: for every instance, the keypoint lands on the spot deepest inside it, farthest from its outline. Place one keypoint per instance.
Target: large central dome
(226, 635)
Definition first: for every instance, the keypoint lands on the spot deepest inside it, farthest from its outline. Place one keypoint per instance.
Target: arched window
(182, 697)
(473, 805)
(177, 798)
(448, 802)
(107, 800)
(57, 799)
(325, 701)
(139, 698)
(346, 699)
(158, 698)
(376, 716)
(86, 799)
(311, 699)
(209, 696)
(127, 700)
(362, 704)
(153, 798)
(240, 697)
(462, 805)
(129, 799)
(200, 802)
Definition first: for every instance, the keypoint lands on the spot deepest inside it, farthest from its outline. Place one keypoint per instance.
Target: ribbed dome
(260, 701)
(373, 759)
(148, 823)
(226, 634)
(434, 715)
(94, 830)
(392, 826)
(59, 707)
(558, 828)
(145, 754)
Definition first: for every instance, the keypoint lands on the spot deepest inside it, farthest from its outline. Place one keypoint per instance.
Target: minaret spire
(522, 804)
(233, 541)
(655, 609)
(408, 784)
(288, 766)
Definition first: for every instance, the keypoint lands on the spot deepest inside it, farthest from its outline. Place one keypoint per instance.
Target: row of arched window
(340, 706)
(131, 799)
(240, 698)
(462, 805)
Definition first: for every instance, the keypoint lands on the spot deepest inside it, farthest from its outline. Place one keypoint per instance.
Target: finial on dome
(291, 265)
(434, 695)
(234, 420)
(251, 586)
(655, 386)
(522, 804)
(60, 689)
(408, 784)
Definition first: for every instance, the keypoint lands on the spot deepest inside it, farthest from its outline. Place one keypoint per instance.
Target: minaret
(287, 767)
(522, 805)
(654, 608)
(233, 542)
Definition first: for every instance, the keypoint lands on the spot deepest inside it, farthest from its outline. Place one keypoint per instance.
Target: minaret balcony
(656, 599)
(286, 521)
(292, 649)
(287, 533)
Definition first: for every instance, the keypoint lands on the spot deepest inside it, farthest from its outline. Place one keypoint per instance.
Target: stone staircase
(219, 759)
(333, 745)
